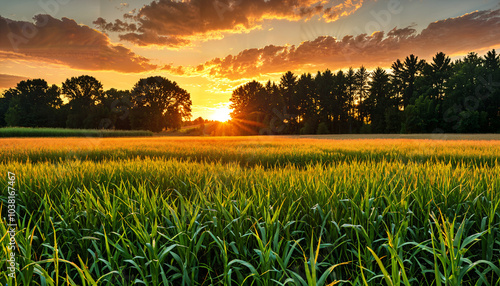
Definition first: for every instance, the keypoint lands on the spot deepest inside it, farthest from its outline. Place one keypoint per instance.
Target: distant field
(252, 150)
(430, 136)
(253, 211)
(64, 132)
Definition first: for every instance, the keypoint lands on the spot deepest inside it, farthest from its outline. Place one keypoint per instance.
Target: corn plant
(272, 211)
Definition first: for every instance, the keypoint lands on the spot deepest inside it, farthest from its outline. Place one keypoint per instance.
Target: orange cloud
(179, 70)
(65, 42)
(343, 9)
(8, 81)
(176, 23)
(473, 31)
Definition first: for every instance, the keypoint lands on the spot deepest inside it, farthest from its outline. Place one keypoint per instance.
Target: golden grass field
(253, 210)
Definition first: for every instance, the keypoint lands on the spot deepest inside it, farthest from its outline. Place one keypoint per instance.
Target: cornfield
(251, 211)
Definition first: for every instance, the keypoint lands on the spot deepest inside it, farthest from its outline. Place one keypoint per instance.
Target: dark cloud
(149, 38)
(474, 31)
(65, 42)
(8, 81)
(177, 23)
(117, 26)
(479, 29)
(402, 33)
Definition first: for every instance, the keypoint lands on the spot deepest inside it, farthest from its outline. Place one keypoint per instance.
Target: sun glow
(222, 114)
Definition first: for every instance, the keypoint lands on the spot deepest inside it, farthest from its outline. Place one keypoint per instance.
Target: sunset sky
(211, 46)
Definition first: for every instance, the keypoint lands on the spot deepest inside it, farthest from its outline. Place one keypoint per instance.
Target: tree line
(414, 96)
(154, 103)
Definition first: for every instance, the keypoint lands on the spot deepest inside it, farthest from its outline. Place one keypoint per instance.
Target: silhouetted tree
(339, 107)
(308, 104)
(4, 105)
(405, 75)
(438, 72)
(118, 104)
(84, 93)
(379, 100)
(489, 90)
(274, 100)
(491, 61)
(245, 100)
(351, 89)
(426, 106)
(324, 88)
(275, 110)
(463, 109)
(33, 103)
(288, 90)
(248, 103)
(111, 111)
(198, 121)
(459, 96)
(361, 86)
(158, 103)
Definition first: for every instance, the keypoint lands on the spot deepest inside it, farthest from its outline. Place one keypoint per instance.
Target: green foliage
(309, 128)
(420, 117)
(32, 103)
(405, 76)
(366, 129)
(393, 120)
(417, 97)
(35, 104)
(322, 128)
(158, 103)
(332, 212)
(471, 121)
(62, 132)
(13, 114)
(379, 100)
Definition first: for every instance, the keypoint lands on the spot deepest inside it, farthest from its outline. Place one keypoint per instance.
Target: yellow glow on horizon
(222, 114)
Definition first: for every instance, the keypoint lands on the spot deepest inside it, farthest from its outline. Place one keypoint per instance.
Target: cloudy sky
(211, 46)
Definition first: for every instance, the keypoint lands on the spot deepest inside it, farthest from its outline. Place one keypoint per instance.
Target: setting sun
(222, 114)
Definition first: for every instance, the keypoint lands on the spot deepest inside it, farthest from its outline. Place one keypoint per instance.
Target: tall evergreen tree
(463, 110)
(340, 105)
(405, 73)
(288, 89)
(362, 78)
(308, 102)
(379, 100)
(350, 100)
(324, 88)
(489, 90)
(436, 74)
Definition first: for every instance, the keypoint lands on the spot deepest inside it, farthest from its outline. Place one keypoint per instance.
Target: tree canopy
(158, 103)
(155, 103)
(415, 96)
(32, 103)
(412, 96)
